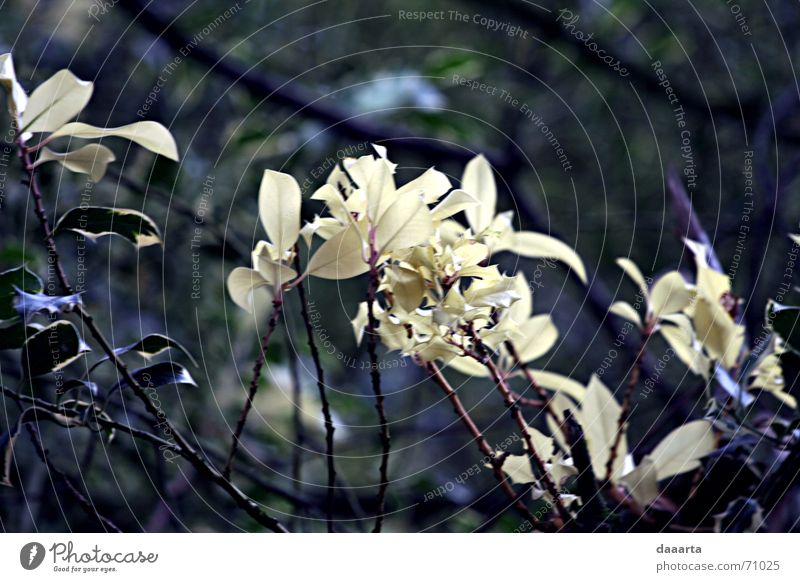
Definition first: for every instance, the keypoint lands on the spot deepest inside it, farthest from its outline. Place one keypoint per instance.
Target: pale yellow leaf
(469, 367)
(91, 159)
(521, 309)
(339, 257)
(148, 134)
(453, 203)
(682, 449)
(450, 231)
(518, 469)
(273, 271)
(478, 180)
(407, 286)
(539, 335)
(626, 310)
(681, 341)
(560, 384)
(630, 269)
(360, 321)
(17, 99)
(718, 333)
(542, 444)
(432, 185)
(405, 223)
(279, 200)
(538, 245)
(670, 294)
(642, 482)
(599, 416)
(55, 102)
(242, 283)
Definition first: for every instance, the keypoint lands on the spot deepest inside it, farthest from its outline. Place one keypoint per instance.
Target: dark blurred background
(582, 131)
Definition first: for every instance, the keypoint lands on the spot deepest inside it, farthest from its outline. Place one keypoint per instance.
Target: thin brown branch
(277, 307)
(546, 400)
(627, 400)
(87, 506)
(483, 444)
(483, 357)
(375, 374)
(323, 396)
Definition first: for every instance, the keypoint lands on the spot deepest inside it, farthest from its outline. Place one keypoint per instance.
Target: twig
(277, 307)
(375, 374)
(482, 356)
(480, 440)
(624, 414)
(297, 423)
(203, 467)
(85, 504)
(323, 396)
(546, 400)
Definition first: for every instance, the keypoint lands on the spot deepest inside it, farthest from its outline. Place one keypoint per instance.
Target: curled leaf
(94, 222)
(148, 134)
(51, 349)
(626, 310)
(13, 280)
(91, 159)
(242, 284)
(29, 304)
(538, 245)
(161, 374)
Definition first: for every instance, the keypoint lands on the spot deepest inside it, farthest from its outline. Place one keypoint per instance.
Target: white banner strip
(399, 557)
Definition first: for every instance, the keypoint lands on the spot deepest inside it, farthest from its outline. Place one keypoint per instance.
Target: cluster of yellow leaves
(697, 321)
(51, 106)
(598, 414)
(690, 317)
(279, 201)
(436, 280)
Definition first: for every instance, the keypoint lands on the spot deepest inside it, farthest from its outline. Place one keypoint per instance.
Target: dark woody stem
(372, 349)
(277, 307)
(323, 396)
(203, 467)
